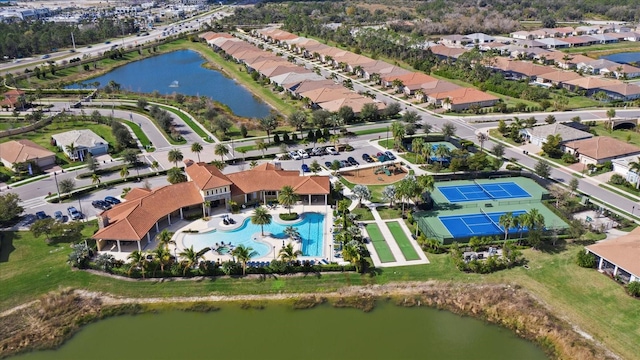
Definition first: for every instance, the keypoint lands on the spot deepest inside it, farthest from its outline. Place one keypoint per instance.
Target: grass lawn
(6, 125)
(43, 135)
(364, 214)
(595, 51)
(197, 129)
(403, 241)
(628, 136)
(30, 268)
(496, 134)
(370, 131)
(376, 193)
(144, 140)
(379, 243)
(387, 213)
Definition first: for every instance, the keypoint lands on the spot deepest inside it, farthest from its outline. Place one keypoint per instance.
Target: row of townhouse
(320, 93)
(568, 31)
(419, 85)
(570, 80)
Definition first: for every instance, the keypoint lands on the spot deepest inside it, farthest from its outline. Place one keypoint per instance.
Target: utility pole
(73, 41)
(55, 176)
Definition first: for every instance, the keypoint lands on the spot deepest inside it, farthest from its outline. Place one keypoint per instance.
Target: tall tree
(448, 130)
(165, 237)
(221, 150)
(243, 254)
(196, 148)
(506, 220)
(287, 197)
(288, 254)
(261, 217)
(174, 156)
(268, 124)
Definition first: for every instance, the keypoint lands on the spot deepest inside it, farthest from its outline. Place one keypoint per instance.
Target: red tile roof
(207, 176)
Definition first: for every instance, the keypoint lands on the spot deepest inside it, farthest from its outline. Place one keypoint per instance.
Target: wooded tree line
(22, 39)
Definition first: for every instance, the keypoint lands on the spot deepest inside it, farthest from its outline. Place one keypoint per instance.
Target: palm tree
(482, 137)
(611, 113)
(634, 166)
(124, 172)
(288, 254)
(242, 151)
(506, 220)
(95, 180)
(243, 254)
(448, 130)
(162, 256)
(221, 150)
(174, 156)
(71, 150)
(138, 260)
(191, 258)
(351, 252)
(287, 197)
(417, 146)
(196, 147)
(261, 217)
(165, 238)
(155, 165)
(442, 152)
(398, 131)
(261, 145)
(427, 150)
(292, 232)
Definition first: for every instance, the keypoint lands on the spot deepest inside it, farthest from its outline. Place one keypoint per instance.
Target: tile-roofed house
(21, 151)
(355, 103)
(622, 91)
(325, 94)
(283, 68)
(480, 38)
(554, 43)
(621, 71)
(521, 35)
(562, 31)
(589, 83)
(530, 43)
(135, 219)
(537, 135)
(619, 256)
(84, 141)
(10, 99)
(411, 81)
(600, 149)
(265, 181)
(290, 79)
(594, 66)
(563, 60)
(455, 40)
(308, 85)
(604, 38)
(463, 99)
(374, 67)
(518, 69)
(557, 77)
(437, 86)
(575, 41)
(445, 52)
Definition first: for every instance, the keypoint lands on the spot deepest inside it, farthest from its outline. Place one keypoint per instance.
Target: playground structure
(376, 175)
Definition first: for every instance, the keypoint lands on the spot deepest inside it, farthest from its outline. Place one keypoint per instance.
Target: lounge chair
(231, 221)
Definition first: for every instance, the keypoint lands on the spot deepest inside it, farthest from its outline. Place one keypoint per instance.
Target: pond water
(624, 58)
(182, 72)
(278, 331)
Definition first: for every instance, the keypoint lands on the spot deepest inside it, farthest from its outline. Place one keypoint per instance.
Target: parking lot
(359, 148)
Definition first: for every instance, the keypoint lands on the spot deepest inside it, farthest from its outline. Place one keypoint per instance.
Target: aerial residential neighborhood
(195, 162)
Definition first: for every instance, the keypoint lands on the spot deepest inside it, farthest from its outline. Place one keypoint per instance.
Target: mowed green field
(403, 241)
(379, 243)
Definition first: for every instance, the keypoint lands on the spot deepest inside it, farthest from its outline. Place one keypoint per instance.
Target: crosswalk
(34, 203)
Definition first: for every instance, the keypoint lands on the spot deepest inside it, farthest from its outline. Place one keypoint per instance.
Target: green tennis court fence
(518, 202)
(428, 230)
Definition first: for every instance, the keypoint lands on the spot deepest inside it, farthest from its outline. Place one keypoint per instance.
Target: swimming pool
(310, 228)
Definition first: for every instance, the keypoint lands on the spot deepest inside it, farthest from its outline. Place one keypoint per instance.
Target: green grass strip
(198, 130)
(380, 244)
(403, 241)
(371, 131)
(144, 140)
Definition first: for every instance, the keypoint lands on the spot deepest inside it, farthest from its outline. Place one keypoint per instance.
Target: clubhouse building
(145, 212)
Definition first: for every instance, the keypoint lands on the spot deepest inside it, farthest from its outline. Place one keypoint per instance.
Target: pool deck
(215, 222)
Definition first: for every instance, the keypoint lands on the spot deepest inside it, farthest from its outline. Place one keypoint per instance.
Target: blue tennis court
(480, 192)
(462, 226)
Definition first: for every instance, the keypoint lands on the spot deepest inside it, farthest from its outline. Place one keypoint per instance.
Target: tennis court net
(483, 189)
(490, 219)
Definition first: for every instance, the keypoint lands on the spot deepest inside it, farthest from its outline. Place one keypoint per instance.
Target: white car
(331, 150)
(303, 154)
(294, 155)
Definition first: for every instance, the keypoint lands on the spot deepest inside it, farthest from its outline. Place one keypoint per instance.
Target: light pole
(387, 143)
(55, 177)
(274, 252)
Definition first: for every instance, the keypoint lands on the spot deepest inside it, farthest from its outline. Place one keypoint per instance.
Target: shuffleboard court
(480, 192)
(403, 241)
(379, 243)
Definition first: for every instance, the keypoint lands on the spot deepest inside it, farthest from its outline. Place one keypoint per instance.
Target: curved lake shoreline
(504, 305)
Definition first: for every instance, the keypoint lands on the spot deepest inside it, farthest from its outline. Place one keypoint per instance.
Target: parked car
(327, 164)
(58, 216)
(74, 214)
(343, 164)
(317, 151)
(303, 154)
(332, 151)
(101, 204)
(46, 56)
(41, 215)
(390, 155)
(367, 158)
(305, 168)
(294, 155)
(352, 161)
(111, 200)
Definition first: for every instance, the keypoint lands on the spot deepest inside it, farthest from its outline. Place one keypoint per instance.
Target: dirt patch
(375, 175)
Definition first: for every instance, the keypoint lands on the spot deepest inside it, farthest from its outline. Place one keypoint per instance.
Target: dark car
(305, 168)
(111, 200)
(327, 164)
(101, 204)
(41, 215)
(343, 164)
(367, 158)
(352, 161)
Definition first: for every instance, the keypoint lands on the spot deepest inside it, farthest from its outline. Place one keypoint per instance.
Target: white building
(83, 142)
